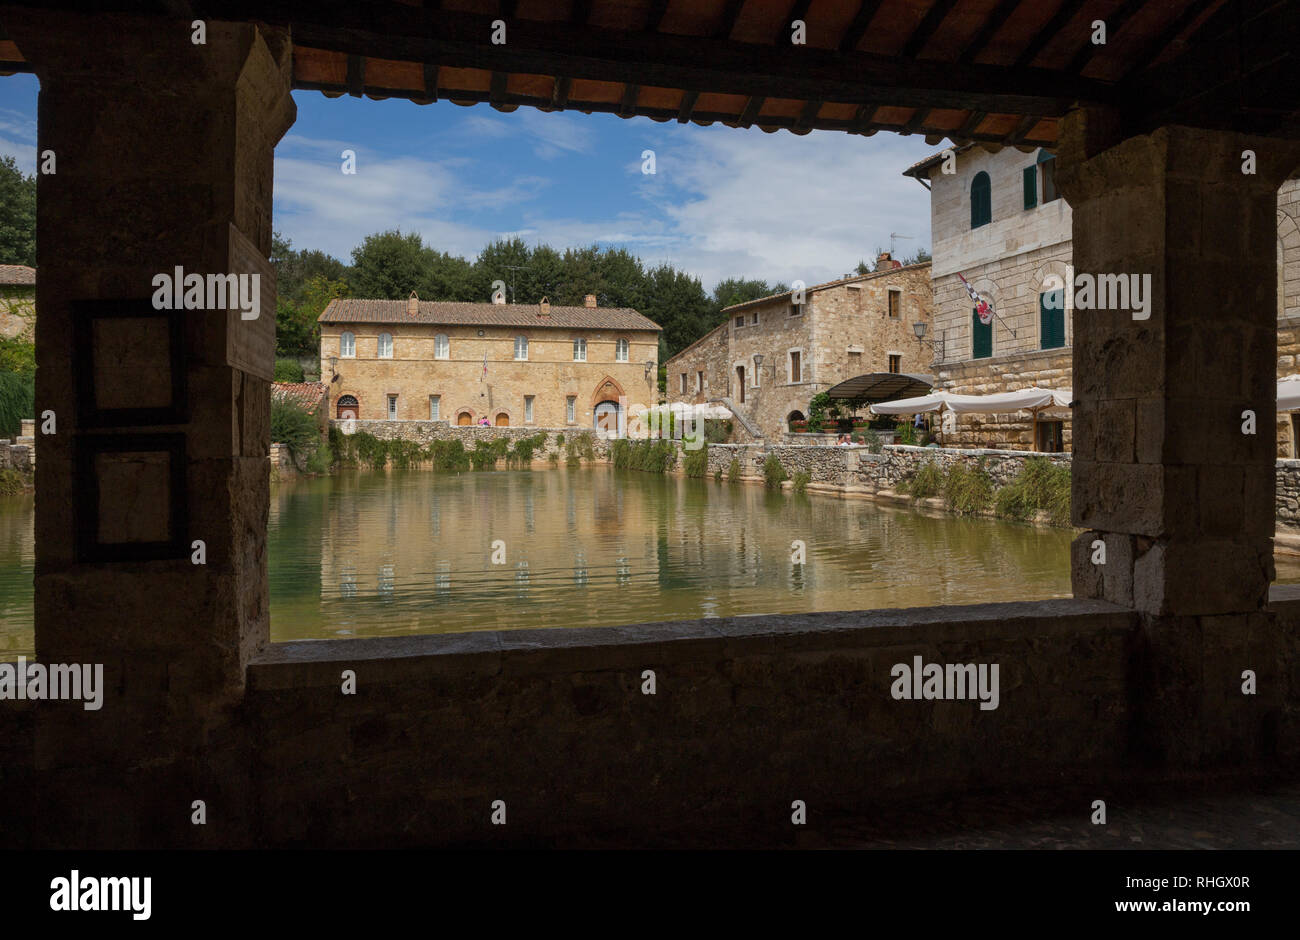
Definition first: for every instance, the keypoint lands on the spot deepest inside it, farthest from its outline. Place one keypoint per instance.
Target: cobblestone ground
(1255, 816)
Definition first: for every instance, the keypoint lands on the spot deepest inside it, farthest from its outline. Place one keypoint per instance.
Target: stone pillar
(163, 150)
(1174, 430)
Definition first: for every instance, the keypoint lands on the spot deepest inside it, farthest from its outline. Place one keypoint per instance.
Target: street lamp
(334, 373)
(649, 365)
(919, 328)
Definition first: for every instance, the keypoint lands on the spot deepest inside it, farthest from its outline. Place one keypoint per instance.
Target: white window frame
(392, 407)
(442, 346)
(580, 349)
(435, 407)
(571, 409)
(379, 349)
(347, 345)
(621, 349)
(521, 345)
(789, 365)
(528, 409)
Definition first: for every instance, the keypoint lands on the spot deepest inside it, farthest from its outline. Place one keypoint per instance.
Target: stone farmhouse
(771, 356)
(508, 364)
(17, 302)
(999, 221)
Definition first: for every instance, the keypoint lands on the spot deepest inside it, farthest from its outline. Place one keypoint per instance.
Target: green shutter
(1031, 186)
(1051, 320)
(981, 337)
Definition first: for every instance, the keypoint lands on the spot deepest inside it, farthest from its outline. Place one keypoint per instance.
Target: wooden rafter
(921, 35)
(1064, 13)
(858, 27)
(1001, 13)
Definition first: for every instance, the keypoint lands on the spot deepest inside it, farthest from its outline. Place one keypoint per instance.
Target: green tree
(389, 265)
(677, 302)
(297, 330)
(17, 215)
(738, 290)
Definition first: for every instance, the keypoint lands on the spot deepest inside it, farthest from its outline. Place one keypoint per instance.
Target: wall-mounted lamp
(919, 328)
(334, 371)
(649, 366)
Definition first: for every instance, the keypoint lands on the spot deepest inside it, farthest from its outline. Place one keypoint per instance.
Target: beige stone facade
(1009, 261)
(846, 328)
(523, 372)
(17, 302)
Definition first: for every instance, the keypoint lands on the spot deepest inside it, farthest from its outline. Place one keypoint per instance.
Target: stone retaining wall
(425, 432)
(16, 457)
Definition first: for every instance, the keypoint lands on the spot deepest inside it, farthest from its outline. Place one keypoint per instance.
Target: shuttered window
(1051, 320)
(981, 337)
(981, 200)
(1031, 186)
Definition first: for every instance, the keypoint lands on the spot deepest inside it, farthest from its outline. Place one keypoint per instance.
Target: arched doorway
(792, 417)
(464, 419)
(605, 416)
(348, 407)
(503, 420)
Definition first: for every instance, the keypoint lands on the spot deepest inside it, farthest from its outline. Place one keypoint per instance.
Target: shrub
(801, 480)
(872, 441)
(717, 430)
(906, 433)
(485, 454)
(371, 450)
(926, 482)
(17, 401)
(11, 482)
(448, 455)
(773, 473)
(621, 453)
(733, 471)
(521, 457)
(967, 489)
(1039, 486)
(696, 462)
(294, 428)
(404, 454)
(579, 446)
(288, 370)
(321, 460)
(717, 475)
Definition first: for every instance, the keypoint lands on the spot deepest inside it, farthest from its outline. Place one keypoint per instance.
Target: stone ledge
(392, 660)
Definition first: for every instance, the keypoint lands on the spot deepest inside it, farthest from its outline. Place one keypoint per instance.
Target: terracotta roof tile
(16, 274)
(308, 394)
(354, 310)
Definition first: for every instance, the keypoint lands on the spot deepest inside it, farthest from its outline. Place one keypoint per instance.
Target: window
(1047, 169)
(682, 384)
(441, 347)
(392, 407)
(758, 372)
(699, 381)
(521, 347)
(796, 310)
(620, 351)
(740, 320)
(1295, 435)
(528, 409)
(1051, 319)
(435, 407)
(981, 338)
(571, 409)
(1049, 437)
(348, 346)
(740, 382)
(895, 303)
(754, 319)
(385, 345)
(981, 200)
(895, 364)
(1031, 186)
(796, 365)
(580, 350)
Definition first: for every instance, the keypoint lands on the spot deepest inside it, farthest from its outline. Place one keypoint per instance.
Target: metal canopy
(883, 386)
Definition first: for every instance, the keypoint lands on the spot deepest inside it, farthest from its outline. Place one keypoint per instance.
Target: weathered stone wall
(1014, 430)
(554, 723)
(425, 432)
(549, 374)
(16, 457)
(845, 330)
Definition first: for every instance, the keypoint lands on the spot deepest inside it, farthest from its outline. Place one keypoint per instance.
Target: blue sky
(722, 202)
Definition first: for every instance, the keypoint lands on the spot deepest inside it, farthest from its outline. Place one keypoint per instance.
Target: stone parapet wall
(18, 457)
(426, 432)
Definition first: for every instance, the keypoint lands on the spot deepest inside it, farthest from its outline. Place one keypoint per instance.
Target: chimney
(589, 301)
(412, 305)
(883, 263)
(544, 308)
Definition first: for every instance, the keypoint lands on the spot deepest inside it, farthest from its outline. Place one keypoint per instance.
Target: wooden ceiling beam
(627, 108)
(730, 13)
(750, 113)
(688, 105)
(858, 27)
(797, 12)
(934, 17)
(1064, 13)
(560, 94)
(1114, 23)
(655, 15)
(1001, 13)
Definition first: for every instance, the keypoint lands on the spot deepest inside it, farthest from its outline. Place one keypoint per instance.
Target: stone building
(771, 355)
(999, 221)
(511, 364)
(17, 302)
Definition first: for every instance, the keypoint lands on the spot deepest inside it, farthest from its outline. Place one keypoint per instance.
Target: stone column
(1174, 430)
(163, 149)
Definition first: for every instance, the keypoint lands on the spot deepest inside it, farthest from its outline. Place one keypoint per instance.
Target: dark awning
(883, 386)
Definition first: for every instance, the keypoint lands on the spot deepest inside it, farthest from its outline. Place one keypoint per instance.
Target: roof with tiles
(829, 284)
(454, 313)
(308, 394)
